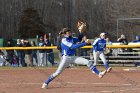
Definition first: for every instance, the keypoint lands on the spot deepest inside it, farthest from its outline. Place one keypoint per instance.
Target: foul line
(76, 83)
(73, 83)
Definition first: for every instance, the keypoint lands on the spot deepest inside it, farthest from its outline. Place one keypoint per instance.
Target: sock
(93, 68)
(106, 65)
(49, 80)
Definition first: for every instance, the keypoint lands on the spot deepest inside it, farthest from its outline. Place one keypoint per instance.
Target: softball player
(99, 47)
(68, 45)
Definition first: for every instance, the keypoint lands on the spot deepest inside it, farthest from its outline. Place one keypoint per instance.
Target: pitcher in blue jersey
(69, 45)
(99, 47)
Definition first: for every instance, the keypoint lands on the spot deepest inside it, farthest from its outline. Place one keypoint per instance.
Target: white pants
(98, 54)
(66, 60)
(42, 59)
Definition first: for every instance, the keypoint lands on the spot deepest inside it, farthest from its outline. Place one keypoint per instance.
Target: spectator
(28, 53)
(137, 39)
(18, 44)
(108, 42)
(15, 61)
(41, 52)
(59, 38)
(22, 53)
(108, 51)
(10, 53)
(84, 51)
(123, 41)
(49, 52)
(34, 53)
(3, 60)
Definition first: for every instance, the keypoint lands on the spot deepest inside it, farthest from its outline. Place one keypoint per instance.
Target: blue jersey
(69, 46)
(99, 44)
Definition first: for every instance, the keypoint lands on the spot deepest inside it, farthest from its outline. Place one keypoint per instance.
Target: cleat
(109, 69)
(93, 72)
(44, 86)
(101, 74)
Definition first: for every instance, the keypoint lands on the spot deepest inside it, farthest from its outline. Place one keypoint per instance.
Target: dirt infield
(72, 80)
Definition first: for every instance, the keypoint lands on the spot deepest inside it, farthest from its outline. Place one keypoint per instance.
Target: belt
(67, 55)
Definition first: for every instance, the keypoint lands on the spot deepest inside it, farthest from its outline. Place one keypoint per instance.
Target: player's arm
(105, 47)
(79, 38)
(74, 46)
(71, 45)
(95, 45)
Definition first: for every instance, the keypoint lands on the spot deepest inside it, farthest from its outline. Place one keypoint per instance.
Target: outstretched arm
(87, 41)
(74, 46)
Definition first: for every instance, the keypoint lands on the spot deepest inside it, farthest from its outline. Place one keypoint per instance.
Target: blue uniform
(68, 46)
(99, 46)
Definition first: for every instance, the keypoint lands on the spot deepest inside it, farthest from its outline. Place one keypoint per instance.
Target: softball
(87, 40)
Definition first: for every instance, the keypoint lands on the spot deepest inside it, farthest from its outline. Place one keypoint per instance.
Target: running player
(99, 47)
(68, 45)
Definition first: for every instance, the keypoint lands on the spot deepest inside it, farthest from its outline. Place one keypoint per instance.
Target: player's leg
(63, 64)
(102, 57)
(83, 61)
